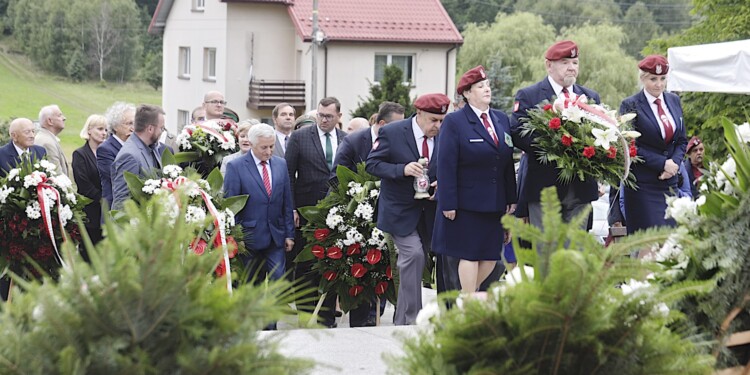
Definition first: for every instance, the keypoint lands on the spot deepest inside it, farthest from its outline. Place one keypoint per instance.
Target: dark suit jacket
(539, 176)
(105, 158)
(473, 173)
(398, 211)
(308, 170)
(354, 149)
(266, 221)
(89, 184)
(134, 157)
(651, 145)
(9, 157)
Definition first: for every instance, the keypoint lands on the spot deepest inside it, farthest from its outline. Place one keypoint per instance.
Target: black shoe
(370, 322)
(339, 313)
(334, 325)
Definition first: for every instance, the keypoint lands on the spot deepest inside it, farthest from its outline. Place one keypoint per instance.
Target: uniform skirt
(471, 236)
(645, 207)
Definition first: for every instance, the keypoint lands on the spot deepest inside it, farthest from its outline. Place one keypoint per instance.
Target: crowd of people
(468, 157)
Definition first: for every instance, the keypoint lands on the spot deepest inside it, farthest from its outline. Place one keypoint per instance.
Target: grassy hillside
(24, 90)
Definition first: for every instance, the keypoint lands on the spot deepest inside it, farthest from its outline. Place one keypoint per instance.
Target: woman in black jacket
(86, 175)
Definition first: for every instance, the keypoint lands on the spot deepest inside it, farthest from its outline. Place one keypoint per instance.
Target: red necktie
(668, 129)
(489, 128)
(565, 92)
(425, 148)
(266, 179)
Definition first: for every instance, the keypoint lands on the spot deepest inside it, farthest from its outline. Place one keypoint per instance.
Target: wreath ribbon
(47, 215)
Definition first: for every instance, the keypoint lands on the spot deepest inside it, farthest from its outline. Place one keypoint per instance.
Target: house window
(184, 68)
(183, 118)
(405, 62)
(209, 64)
(198, 5)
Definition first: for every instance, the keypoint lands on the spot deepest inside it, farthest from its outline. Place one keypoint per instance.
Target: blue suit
(134, 157)
(354, 149)
(538, 175)
(105, 158)
(9, 157)
(477, 179)
(266, 221)
(645, 207)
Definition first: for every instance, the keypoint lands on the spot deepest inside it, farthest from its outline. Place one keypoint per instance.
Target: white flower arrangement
(172, 171)
(514, 277)
(364, 211)
(65, 214)
(604, 137)
(33, 211)
(743, 131)
(33, 179)
(195, 214)
(355, 188)
(333, 220)
(13, 174)
(683, 210)
(5, 191)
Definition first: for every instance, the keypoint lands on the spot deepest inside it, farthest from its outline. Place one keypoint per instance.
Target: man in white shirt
(283, 121)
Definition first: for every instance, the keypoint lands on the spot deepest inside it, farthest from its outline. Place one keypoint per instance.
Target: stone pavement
(340, 350)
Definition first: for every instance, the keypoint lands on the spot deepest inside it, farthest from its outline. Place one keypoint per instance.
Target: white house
(258, 52)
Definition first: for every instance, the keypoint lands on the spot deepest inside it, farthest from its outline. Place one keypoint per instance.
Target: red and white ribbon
(213, 132)
(46, 213)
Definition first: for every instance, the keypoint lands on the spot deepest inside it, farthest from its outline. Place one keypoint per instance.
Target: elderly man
(213, 104)
(52, 122)
(561, 61)
(21, 143)
(355, 124)
(310, 157)
(120, 117)
(139, 155)
(410, 221)
(283, 121)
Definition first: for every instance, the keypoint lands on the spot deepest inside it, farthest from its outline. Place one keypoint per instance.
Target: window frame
(207, 64)
(198, 5)
(410, 81)
(183, 67)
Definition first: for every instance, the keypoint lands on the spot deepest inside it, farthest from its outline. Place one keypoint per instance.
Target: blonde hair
(92, 121)
(245, 125)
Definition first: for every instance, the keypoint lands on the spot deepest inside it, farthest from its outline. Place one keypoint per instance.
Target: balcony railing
(266, 94)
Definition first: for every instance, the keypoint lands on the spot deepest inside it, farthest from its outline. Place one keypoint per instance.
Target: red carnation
(232, 247)
(554, 123)
(353, 249)
(388, 272)
(198, 247)
(329, 275)
(612, 152)
(190, 132)
(356, 290)
(547, 107)
(381, 287)
(589, 152)
(221, 269)
(633, 151)
(335, 252)
(321, 234)
(373, 256)
(358, 270)
(319, 251)
(567, 140)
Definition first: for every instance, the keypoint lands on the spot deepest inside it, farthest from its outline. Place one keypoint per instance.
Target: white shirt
(374, 134)
(282, 140)
(558, 88)
(19, 150)
(419, 136)
(489, 119)
(118, 139)
(260, 168)
(334, 142)
(655, 111)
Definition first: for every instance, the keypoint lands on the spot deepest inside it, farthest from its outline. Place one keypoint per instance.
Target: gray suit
(278, 149)
(134, 157)
(55, 153)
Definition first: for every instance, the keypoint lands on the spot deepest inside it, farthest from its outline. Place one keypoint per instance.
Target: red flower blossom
(335, 252)
(589, 152)
(547, 107)
(358, 270)
(329, 275)
(388, 272)
(321, 234)
(373, 256)
(221, 269)
(566, 140)
(319, 251)
(353, 249)
(198, 247)
(232, 246)
(356, 290)
(381, 287)
(190, 132)
(633, 151)
(555, 123)
(612, 152)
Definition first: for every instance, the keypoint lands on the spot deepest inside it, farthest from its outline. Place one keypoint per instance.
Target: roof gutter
(447, 66)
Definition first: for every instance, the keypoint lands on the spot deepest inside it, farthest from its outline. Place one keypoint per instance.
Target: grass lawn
(24, 90)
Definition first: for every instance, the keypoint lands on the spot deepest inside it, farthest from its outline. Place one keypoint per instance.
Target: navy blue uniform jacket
(398, 211)
(538, 175)
(9, 158)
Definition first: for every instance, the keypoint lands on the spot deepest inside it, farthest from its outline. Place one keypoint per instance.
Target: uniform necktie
(489, 128)
(565, 92)
(266, 179)
(286, 141)
(668, 129)
(425, 148)
(329, 151)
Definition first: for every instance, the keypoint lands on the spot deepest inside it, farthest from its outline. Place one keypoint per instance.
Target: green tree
(641, 28)
(76, 68)
(391, 88)
(565, 13)
(463, 12)
(151, 70)
(718, 21)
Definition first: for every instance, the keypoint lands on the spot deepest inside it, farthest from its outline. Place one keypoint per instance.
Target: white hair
(116, 113)
(47, 112)
(261, 130)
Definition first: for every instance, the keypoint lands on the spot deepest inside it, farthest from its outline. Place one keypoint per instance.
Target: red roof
(420, 21)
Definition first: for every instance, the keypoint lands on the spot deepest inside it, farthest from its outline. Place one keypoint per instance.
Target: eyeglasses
(325, 117)
(222, 102)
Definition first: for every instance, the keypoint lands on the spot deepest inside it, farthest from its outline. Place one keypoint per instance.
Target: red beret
(695, 141)
(561, 50)
(433, 103)
(654, 64)
(471, 77)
